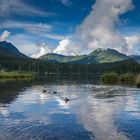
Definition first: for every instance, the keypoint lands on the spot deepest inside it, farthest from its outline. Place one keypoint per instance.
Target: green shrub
(110, 78)
(127, 78)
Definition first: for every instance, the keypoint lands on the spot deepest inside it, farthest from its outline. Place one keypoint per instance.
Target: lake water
(94, 111)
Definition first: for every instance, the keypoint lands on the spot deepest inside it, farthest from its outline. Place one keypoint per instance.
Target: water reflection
(93, 111)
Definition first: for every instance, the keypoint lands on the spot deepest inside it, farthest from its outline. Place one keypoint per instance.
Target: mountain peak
(10, 48)
(101, 50)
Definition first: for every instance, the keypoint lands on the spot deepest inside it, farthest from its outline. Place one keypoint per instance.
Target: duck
(66, 100)
(55, 92)
(44, 91)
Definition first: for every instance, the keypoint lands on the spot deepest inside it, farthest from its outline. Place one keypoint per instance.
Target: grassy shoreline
(16, 75)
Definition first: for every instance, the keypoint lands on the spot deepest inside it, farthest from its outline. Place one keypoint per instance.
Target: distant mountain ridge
(9, 50)
(11, 59)
(96, 57)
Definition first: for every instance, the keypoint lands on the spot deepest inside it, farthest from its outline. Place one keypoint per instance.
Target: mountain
(108, 55)
(96, 57)
(52, 57)
(9, 50)
(11, 59)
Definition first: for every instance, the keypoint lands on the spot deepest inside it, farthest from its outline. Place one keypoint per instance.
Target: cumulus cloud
(63, 48)
(98, 30)
(4, 35)
(44, 49)
(99, 27)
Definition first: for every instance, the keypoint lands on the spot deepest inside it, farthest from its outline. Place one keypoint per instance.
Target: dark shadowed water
(94, 111)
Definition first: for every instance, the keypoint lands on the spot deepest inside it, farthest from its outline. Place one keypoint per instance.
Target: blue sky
(37, 27)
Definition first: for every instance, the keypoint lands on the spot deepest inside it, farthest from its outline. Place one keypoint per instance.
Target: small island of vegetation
(115, 78)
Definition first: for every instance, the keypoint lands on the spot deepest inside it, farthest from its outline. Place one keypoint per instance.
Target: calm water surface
(95, 111)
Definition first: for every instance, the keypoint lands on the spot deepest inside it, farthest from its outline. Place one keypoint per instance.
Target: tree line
(39, 66)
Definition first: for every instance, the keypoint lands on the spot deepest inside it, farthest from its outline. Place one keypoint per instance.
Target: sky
(70, 27)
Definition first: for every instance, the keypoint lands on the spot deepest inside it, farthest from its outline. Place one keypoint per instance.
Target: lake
(93, 112)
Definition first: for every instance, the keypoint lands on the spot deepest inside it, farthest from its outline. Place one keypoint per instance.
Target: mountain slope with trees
(96, 57)
(9, 50)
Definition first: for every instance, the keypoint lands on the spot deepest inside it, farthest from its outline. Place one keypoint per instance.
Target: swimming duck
(44, 91)
(66, 100)
(55, 92)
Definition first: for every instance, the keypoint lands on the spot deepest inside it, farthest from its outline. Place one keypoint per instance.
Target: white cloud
(44, 49)
(19, 7)
(99, 27)
(38, 29)
(29, 27)
(63, 48)
(98, 30)
(4, 35)
(132, 42)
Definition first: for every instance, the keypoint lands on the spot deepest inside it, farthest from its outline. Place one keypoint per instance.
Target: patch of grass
(110, 78)
(114, 78)
(15, 75)
(128, 78)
